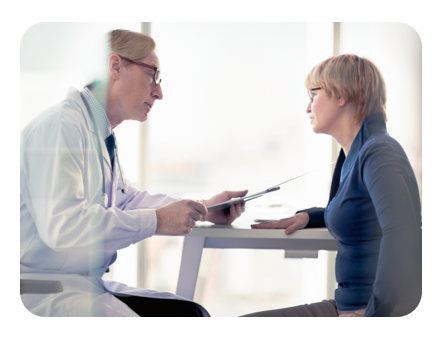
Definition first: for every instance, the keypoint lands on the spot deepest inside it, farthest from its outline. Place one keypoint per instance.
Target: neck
(346, 137)
(113, 110)
(113, 116)
(104, 96)
(347, 129)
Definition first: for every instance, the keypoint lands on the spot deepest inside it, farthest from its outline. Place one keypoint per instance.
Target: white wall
(397, 50)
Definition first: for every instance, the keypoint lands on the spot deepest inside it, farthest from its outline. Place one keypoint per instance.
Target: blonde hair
(133, 45)
(354, 79)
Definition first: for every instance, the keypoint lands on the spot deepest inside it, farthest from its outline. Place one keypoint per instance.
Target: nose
(157, 92)
(309, 107)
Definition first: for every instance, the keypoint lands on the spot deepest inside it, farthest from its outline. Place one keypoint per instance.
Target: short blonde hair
(354, 79)
(133, 45)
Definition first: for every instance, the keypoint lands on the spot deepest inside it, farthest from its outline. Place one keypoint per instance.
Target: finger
(233, 214)
(194, 216)
(187, 230)
(235, 194)
(292, 228)
(191, 224)
(268, 225)
(199, 207)
(238, 210)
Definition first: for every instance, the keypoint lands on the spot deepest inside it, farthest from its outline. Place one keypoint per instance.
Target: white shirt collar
(98, 114)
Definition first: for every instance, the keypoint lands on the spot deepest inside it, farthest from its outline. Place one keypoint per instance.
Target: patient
(374, 209)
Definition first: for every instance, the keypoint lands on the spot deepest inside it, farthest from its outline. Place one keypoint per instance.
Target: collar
(98, 114)
(373, 124)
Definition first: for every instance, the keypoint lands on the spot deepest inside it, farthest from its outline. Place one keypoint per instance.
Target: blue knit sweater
(374, 212)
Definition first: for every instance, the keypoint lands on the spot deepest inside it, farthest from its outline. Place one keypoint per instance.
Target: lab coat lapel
(74, 95)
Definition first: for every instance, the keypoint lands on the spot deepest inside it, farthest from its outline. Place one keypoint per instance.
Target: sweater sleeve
(390, 182)
(316, 215)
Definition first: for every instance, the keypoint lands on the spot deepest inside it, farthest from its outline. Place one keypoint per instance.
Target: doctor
(76, 208)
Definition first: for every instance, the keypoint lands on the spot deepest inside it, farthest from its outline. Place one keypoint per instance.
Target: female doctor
(76, 208)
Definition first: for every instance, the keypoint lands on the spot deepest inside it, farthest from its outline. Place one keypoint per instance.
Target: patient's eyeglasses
(310, 94)
(156, 77)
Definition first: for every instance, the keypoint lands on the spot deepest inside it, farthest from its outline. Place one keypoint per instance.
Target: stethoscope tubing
(100, 154)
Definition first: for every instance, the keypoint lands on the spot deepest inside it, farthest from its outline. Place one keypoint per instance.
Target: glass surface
(52, 58)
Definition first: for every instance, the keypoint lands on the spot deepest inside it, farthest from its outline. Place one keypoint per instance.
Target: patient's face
(323, 113)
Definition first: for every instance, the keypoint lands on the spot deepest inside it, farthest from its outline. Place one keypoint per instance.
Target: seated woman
(374, 210)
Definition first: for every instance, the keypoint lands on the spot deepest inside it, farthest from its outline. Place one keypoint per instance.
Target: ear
(115, 66)
(341, 101)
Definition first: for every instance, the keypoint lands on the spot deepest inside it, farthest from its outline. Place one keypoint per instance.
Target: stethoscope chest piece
(104, 199)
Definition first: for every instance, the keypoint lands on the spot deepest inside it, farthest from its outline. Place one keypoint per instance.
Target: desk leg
(190, 264)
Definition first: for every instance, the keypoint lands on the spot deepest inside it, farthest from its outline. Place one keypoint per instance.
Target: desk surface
(234, 231)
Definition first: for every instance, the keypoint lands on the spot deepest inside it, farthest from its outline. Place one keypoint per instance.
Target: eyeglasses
(310, 95)
(156, 77)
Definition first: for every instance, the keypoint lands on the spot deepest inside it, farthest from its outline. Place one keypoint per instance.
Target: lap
(160, 307)
(326, 308)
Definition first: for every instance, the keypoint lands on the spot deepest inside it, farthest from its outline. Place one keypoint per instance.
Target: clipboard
(232, 202)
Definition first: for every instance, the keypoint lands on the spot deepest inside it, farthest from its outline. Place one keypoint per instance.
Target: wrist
(158, 221)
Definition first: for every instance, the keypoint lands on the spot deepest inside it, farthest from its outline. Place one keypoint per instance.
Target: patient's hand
(292, 224)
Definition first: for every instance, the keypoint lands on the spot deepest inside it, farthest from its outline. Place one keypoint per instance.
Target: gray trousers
(326, 308)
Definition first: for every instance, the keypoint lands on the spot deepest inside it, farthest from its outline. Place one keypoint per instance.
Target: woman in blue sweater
(374, 210)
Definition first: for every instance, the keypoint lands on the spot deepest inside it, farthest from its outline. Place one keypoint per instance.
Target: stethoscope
(104, 197)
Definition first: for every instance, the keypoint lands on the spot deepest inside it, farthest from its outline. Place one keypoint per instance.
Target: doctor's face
(138, 91)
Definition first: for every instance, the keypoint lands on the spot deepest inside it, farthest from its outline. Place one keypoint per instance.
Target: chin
(315, 130)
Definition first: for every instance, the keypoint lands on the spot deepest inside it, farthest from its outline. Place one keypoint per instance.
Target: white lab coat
(65, 232)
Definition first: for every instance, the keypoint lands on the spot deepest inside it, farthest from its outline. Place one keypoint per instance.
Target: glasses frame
(310, 93)
(146, 66)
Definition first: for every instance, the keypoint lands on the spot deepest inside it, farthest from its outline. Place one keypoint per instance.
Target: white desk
(228, 236)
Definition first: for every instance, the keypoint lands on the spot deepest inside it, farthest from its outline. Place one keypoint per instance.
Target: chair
(40, 287)
(37, 287)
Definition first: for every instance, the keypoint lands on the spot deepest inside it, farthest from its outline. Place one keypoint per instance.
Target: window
(233, 117)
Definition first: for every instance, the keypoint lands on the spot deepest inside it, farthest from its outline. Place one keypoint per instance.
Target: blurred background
(233, 117)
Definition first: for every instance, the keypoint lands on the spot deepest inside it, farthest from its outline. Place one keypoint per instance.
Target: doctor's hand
(178, 218)
(292, 224)
(225, 216)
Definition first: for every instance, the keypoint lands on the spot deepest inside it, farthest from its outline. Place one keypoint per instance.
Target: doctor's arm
(63, 192)
(178, 217)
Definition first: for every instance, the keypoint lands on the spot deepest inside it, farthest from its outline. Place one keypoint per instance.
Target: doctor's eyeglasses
(156, 76)
(310, 95)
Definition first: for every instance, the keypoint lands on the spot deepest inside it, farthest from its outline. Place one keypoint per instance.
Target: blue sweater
(374, 212)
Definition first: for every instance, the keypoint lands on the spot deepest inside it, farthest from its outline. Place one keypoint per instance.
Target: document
(232, 202)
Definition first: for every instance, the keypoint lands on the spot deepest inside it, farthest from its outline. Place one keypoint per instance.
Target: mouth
(148, 106)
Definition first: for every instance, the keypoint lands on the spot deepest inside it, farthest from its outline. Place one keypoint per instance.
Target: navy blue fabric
(110, 144)
(374, 212)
